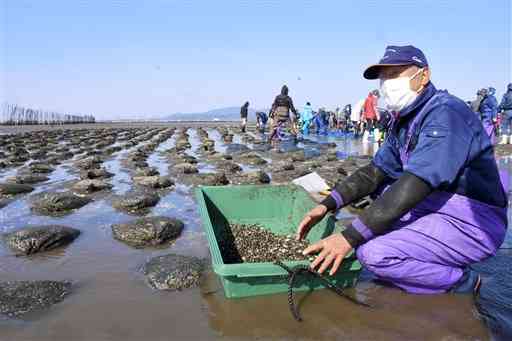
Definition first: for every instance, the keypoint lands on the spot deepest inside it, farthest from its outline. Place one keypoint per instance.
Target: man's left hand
(331, 249)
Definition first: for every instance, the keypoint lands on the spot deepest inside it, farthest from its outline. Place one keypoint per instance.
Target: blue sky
(112, 58)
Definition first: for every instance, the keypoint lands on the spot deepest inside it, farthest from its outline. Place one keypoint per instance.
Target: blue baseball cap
(397, 55)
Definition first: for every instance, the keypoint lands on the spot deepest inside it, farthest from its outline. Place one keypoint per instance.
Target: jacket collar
(423, 97)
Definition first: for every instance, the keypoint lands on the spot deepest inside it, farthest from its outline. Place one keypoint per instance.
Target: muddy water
(111, 301)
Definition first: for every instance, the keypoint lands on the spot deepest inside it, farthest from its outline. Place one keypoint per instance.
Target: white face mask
(397, 92)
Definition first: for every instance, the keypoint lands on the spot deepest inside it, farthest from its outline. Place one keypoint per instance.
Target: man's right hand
(313, 217)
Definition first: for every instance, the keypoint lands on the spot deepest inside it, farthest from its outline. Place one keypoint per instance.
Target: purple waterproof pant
(430, 246)
(490, 130)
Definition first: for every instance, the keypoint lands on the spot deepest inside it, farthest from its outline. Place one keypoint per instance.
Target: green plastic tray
(278, 208)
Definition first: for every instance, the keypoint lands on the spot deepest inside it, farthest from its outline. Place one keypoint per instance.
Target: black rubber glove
(401, 197)
(361, 183)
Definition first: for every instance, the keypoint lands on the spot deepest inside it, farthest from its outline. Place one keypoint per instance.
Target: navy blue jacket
(506, 101)
(450, 149)
(488, 108)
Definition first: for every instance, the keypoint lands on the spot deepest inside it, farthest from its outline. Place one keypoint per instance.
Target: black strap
(303, 269)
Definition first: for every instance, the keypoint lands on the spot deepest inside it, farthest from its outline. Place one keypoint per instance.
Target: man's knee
(375, 254)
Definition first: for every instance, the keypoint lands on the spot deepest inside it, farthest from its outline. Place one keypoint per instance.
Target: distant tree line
(13, 114)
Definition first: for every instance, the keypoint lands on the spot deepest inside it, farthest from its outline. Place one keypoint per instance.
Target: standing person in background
(261, 121)
(280, 111)
(505, 108)
(475, 105)
(324, 117)
(488, 112)
(306, 117)
(333, 118)
(244, 111)
(322, 121)
(370, 111)
(339, 118)
(347, 114)
(495, 120)
(329, 119)
(357, 116)
(383, 125)
(478, 101)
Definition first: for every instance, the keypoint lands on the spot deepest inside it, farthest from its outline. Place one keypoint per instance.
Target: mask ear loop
(414, 76)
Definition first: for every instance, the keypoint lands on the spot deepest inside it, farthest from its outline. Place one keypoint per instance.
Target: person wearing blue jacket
(489, 112)
(306, 116)
(440, 202)
(505, 108)
(321, 121)
(261, 121)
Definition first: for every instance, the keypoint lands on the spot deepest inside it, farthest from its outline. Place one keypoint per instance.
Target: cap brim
(372, 71)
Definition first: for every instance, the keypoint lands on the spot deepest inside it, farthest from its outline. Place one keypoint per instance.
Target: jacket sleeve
(494, 107)
(362, 182)
(502, 103)
(292, 107)
(482, 105)
(274, 105)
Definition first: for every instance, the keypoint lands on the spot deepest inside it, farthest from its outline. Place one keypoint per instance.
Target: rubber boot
(504, 139)
(366, 136)
(376, 135)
